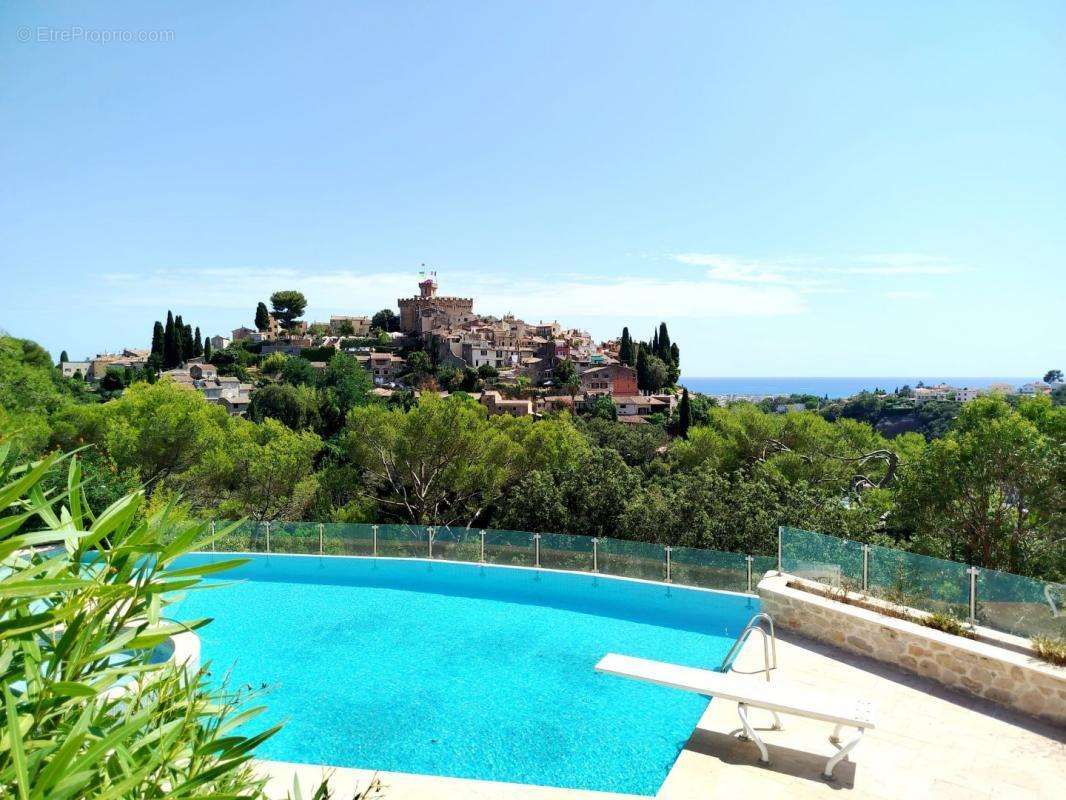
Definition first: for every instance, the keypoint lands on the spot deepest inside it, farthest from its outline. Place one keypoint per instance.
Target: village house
(497, 404)
(611, 379)
(384, 368)
(360, 326)
(643, 405)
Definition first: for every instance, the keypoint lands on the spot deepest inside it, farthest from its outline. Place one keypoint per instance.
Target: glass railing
(710, 569)
(1009, 603)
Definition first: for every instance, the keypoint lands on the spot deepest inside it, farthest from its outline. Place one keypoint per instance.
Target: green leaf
(18, 754)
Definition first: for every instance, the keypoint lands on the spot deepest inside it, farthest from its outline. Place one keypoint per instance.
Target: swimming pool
(462, 670)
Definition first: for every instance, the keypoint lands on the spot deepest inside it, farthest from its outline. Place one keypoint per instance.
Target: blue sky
(797, 188)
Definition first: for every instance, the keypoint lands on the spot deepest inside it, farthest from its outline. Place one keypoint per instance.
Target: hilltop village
(436, 343)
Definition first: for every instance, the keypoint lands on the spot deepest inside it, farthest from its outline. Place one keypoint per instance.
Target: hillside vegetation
(990, 490)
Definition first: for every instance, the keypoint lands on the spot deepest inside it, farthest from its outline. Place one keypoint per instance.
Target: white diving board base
(746, 692)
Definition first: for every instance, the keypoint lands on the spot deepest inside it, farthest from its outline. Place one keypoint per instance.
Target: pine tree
(625, 349)
(63, 358)
(157, 341)
(171, 346)
(684, 415)
(197, 343)
(262, 317)
(207, 349)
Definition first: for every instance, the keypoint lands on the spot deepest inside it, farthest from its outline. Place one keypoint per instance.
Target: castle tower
(426, 310)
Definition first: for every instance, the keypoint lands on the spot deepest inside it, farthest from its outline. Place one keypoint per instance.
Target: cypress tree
(157, 341)
(171, 347)
(262, 317)
(655, 343)
(63, 358)
(207, 348)
(684, 415)
(625, 349)
(675, 355)
(188, 348)
(197, 343)
(180, 340)
(642, 367)
(663, 351)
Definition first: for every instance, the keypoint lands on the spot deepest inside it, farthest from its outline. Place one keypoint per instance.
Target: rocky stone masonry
(1002, 675)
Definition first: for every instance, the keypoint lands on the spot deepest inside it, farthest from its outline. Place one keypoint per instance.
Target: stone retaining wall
(1010, 678)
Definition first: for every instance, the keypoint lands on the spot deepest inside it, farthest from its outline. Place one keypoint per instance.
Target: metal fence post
(536, 549)
(429, 531)
(780, 532)
(483, 547)
(669, 549)
(374, 528)
(865, 568)
(320, 529)
(972, 571)
(213, 543)
(595, 554)
(749, 560)
(267, 523)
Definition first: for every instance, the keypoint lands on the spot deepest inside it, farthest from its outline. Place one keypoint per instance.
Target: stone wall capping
(995, 666)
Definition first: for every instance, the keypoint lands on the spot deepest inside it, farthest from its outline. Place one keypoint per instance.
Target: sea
(831, 387)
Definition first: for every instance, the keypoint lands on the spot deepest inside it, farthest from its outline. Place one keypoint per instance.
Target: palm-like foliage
(82, 598)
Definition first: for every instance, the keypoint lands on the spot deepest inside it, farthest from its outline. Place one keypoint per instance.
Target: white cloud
(563, 297)
(814, 274)
(908, 295)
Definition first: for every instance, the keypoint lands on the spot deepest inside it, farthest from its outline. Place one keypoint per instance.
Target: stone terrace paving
(931, 742)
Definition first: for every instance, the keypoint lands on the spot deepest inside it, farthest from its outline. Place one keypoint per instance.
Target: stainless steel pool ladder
(769, 645)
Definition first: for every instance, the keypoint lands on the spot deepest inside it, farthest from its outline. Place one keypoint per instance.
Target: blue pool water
(460, 670)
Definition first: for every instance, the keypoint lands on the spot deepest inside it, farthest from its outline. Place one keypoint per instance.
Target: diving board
(747, 692)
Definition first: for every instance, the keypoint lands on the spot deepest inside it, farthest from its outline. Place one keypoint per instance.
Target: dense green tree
(298, 372)
(63, 358)
(486, 371)
(684, 415)
(288, 306)
(262, 317)
(197, 343)
(656, 373)
(566, 378)
(296, 406)
(663, 350)
(1053, 376)
(441, 462)
(992, 491)
(158, 343)
(642, 367)
(385, 320)
(419, 366)
(207, 348)
(171, 344)
(626, 354)
(603, 407)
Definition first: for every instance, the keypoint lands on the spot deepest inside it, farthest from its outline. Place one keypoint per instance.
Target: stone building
(427, 311)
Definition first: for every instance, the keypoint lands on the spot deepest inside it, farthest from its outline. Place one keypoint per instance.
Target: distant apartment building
(1034, 388)
(219, 342)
